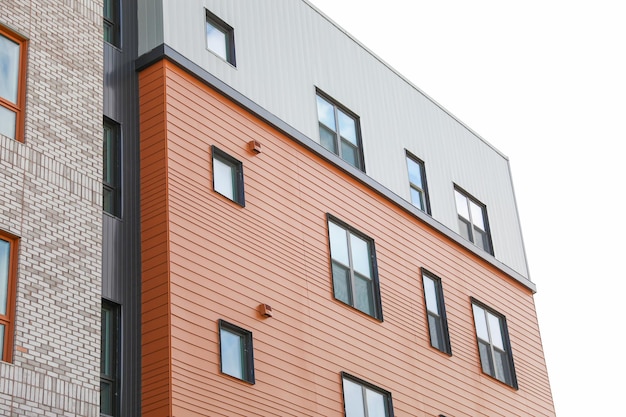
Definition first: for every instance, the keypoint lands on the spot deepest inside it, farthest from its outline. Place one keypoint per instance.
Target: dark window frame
(424, 189)
(7, 320)
(247, 354)
(238, 178)
(470, 223)
(504, 333)
(376, 296)
(366, 385)
(19, 106)
(229, 35)
(112, 188)
(114, 378)
(337, 138)
(442, 320)
(112, 22)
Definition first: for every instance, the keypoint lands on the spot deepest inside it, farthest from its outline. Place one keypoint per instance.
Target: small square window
(354, 271)
(236, 354)
(417, 183)
(436, 312)
(494, 346)
(228, 176)
(220, 38)
(473, 223)
(340, 131)
(361, 398)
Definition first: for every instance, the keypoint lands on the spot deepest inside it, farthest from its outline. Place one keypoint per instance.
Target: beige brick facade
(52, 200)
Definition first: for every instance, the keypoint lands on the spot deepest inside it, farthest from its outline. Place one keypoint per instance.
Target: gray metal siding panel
(121, 256)
(285, 49)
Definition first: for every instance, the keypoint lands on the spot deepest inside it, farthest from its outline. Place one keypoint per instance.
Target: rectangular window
(473, 224)
(228, 176)
(362, 399)
(436, 312)
(493, 344)
(12, 84)
(112, 168)
(354, 271)
(110, 359)
(220, 38)
(236, 354)
(8, 278)
(340, 131)
(417, 183)
(111, 18)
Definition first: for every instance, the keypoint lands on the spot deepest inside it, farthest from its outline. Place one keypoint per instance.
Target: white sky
(544, 82)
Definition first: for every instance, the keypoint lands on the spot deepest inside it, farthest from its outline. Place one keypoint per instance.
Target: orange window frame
(18, 107)
(8, 319)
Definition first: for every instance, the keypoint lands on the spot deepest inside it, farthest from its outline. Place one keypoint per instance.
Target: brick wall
(51, 198)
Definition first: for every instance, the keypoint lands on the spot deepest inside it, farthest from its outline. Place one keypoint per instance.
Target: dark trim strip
(164, 51)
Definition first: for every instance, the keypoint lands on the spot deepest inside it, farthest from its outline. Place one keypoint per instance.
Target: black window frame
(112, 188)
(238, 178)
(337, 138)
(376, 297)
(441, 320)
(366, 385)
(112, 22)
(247, 353)
(113, 346)
(511, 380)
(422, 190)
(229, 35)
(470, 224)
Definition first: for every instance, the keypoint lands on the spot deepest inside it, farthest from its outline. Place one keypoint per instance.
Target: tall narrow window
(353, 262)
(473, 224)
(111, 15)
(111, 181)
(110, 359)
(8, 273)
(362, 399)
(228, 176)
(340, 131)
(417, 183)
(236, 353)
(12, 84)
(493, 344)
(436, 312)
(220, 38)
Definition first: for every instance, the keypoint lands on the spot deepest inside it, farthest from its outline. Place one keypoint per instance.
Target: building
(289, 226)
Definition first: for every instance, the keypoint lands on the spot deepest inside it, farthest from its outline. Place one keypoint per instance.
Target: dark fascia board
(164, 51)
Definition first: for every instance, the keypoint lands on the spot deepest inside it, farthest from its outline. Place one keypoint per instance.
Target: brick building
(283, 225)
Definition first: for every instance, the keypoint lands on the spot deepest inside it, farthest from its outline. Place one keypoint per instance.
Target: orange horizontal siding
(223, 260)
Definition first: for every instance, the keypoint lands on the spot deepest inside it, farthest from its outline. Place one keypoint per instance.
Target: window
(111, 19)
(236, 357)
(8, 277)
(220, 38)
(110, 359)
(473, 224)
(493, 344)
(417, 183)
(362, 399)
(111, 171)
(436, 312)
(340, 131)
(12, 84)
(228, 176)
(354, 271)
